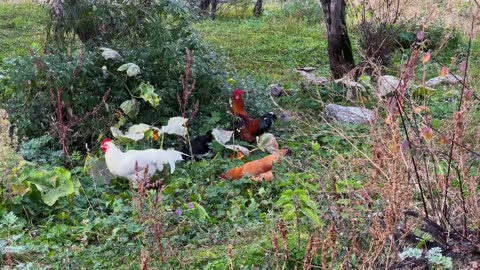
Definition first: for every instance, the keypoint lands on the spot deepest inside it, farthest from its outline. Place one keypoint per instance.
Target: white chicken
(122, 164)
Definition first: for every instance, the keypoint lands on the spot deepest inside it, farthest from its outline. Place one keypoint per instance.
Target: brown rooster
(249, 128)
(238, 105)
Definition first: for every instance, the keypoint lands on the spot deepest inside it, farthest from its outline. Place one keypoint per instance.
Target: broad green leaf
(52, 184)
(307, 201)
(130, 107)
(124, 67)
(311, 215)
(288, 212)
(131, 68)
(200, 211)
(147, 93)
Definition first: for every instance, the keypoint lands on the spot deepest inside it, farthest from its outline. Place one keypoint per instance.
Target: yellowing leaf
(155, 136)
(147, 93)
(130, 107)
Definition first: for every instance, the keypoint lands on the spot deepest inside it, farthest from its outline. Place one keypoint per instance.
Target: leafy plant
(435, 257)
(9, 246)
(129, 72)
(52, 183)
(294, 202)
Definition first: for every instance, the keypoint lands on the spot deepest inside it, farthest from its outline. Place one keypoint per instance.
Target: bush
(74, 91)
(436, 37)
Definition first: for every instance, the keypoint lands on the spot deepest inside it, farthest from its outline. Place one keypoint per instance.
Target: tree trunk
(214, 9)
(257, 10)
(204, 4)
(340, 52)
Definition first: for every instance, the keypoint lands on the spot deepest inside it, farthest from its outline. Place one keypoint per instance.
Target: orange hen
(257, 167)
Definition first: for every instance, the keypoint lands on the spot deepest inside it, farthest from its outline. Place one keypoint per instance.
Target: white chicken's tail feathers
(169, 156)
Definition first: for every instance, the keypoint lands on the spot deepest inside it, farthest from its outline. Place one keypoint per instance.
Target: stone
(348, 115)
(276, 90)
(307, 69)
(445, 80)
(311, 78)
(353, 88)
(387, 84)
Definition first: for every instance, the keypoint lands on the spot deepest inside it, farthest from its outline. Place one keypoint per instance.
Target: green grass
(22, 26)
(268, 48)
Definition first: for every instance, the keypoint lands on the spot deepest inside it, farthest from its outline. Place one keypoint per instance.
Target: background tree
(339, 46)
(257, 10)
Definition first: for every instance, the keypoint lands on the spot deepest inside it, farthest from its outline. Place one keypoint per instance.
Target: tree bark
(214, 9)
(204, 4)
(340, 52)
(258, 9)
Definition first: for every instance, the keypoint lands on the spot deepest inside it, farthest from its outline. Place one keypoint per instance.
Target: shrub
(74, 91)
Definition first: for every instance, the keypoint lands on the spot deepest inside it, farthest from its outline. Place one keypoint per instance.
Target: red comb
(106, 140)
(238, 92)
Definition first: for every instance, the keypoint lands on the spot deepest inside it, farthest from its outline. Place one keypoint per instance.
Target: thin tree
(340, 52)
(258, 9)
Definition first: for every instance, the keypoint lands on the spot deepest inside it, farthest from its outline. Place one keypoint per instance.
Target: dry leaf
(444, 71)
(427, 133)
(468, 94)
(419, 109)
(443, 139)
(462, 66)
(426, 57)
(388, 120)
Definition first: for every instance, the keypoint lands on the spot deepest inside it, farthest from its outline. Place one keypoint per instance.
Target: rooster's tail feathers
(267, 121)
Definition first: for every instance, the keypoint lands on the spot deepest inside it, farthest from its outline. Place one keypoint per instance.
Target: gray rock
(386, 84)
(353, 88)
(311, 78)
(307, 69)
(276, 90)
(348, 115)
(445, 80)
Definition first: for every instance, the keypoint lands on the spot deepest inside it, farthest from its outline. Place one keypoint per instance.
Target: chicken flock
(139, 165)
